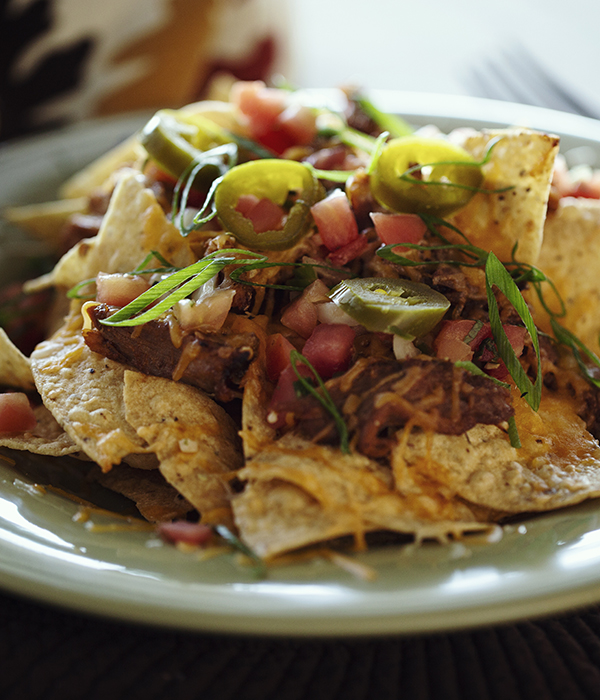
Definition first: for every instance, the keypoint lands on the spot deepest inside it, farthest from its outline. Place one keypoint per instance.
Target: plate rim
(43, 585)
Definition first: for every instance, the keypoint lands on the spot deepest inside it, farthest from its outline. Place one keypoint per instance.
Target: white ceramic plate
(547, 564)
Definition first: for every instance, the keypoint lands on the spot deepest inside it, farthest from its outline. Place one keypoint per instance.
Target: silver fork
(516, 76)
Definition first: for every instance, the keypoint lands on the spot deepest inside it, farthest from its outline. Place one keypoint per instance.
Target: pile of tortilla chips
(174, 450)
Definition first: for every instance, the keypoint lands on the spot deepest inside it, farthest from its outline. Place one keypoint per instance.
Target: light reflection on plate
(551, 564)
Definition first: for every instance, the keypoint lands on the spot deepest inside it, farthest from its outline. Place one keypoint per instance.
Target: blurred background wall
(63, 60)
(438, 45)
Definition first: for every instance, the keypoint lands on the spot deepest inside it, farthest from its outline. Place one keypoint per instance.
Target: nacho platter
(462, 583)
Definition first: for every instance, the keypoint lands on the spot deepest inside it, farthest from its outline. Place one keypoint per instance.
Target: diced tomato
(267, 216)
(16, 414)
(450, 341)
(299, 122)
(301, 315)
(349, 252)
(499, 372)
(284, 392)
(118, 290)
(335, 220)
(517, 335)
(284, 397)
(450, 344)
(278, 355)
(399, 228)
(259, 104)
(329, 348)
(585, 190)
(264, 214)
(246, 203)
(276, 140)
(182, 531)
(262, 106)
(270, 119)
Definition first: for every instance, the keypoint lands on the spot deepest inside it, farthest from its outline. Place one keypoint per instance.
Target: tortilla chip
(300, 494)
(256, 431)
(570, 257)
(47, 438)
(46, 220)
(558, 464)
(15, 370)
(95, 175)
(84, 392)
(133, 226)
(156, 500)
(523, 160)
(193, 437)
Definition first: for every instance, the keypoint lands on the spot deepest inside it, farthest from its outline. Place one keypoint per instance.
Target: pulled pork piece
(213, 362)
(377, 397)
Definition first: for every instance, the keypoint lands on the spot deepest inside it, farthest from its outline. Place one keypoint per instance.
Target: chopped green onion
(474, 369)
(379, 144)
(236, 275)
(333, 175)
(496, 275)
(259, 567)
(252, 146)
(472, 334)
(565, 337)
(163, 295)
(392, 123)
(75, 292)
(513, 433)
(324, 398)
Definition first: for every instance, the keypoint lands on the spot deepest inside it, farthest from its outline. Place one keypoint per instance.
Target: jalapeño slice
(175, 141)
(389, 305)
(287, 183)
(424, 175)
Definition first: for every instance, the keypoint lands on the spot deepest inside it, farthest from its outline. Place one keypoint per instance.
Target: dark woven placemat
(53, 654)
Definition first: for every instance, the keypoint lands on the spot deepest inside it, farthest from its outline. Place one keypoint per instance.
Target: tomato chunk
(187, 533)
(301, 315)
(278, 355)
(264, 214)
(349, 252)
(450, 341)
(517, 335)
(260, 104)
(399, 228)
(299, 123)
(329, 348)
(335, 220)
(284, 397)
(16, 414)
(451, 345)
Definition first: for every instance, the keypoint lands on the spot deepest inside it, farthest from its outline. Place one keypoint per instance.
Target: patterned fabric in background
(65, 60)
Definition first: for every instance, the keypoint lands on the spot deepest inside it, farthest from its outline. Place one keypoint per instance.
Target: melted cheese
(555, 429)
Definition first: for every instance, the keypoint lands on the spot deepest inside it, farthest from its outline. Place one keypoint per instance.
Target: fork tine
(517, 77)
(545, 84)
(510, 84)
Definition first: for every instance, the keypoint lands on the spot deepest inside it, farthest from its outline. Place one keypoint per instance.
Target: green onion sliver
(497, 275)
